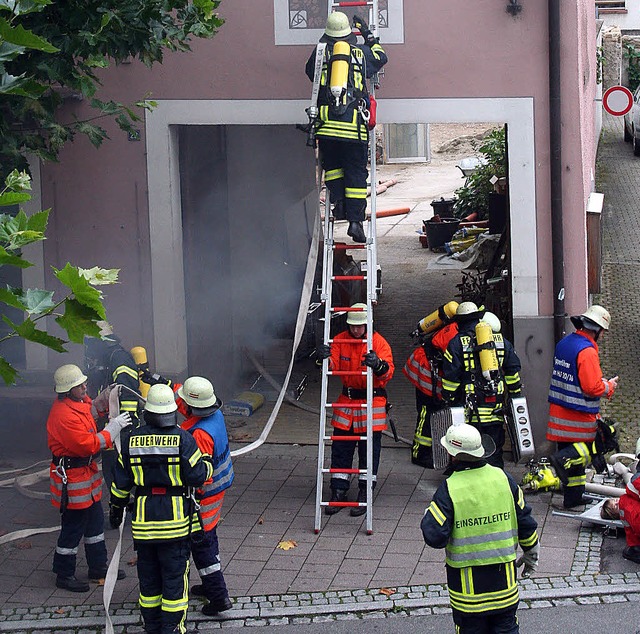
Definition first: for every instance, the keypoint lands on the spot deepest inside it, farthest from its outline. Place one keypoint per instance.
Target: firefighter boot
(337, 495)
(215, 607)
(71, 584)
(356, 232)
(632, 553)
(356, 511)
(339, 212)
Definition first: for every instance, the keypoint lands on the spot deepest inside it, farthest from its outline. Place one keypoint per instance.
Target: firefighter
(205, 422)
(479, 516)
(574, 400)
(464, 382)
(107, 362)
(75, 481)
(342, 133)
(424, 370)
(346, 354)
(163, 462)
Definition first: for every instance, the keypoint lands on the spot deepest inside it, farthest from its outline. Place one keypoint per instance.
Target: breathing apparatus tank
(139, 355)
(438, 318)
(488, 355)
(339, 74)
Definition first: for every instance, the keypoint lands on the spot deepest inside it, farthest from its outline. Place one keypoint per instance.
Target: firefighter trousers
(163, 572)
(574, 456)
(422, 449)
(503, 622)
(342, 458)
(206, 557)
(345, 174)
(77, 524)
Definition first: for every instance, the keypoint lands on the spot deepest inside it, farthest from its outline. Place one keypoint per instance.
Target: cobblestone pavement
(342, 573)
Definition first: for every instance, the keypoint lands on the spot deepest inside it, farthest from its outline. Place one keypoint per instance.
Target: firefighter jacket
(347, 354)
(346, 123)
(73, 439)
(210, 434)
(576, 387)
(424, 366)
(479, 515)
(163, 463)
(462, 379)
(630, 511)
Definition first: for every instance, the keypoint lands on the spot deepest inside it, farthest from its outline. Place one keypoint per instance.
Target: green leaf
(13, 198)
(21, 86)
(7, 372)
(79, 320)
(18, 181)
(97, 276)
(9, 51)
(22, 238)
(22, 37)
(36, 301)
(13, 260)
(12, 297)
(83, 292)
(22, 7)
(38, 221)
(27, 330)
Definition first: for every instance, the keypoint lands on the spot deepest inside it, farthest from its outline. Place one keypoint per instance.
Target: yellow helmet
(337, 25)
(67, 377)
(357, 317)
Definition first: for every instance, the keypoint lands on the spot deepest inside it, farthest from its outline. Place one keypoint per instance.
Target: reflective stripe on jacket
(72, 432)
(421, 372)
(347, 354)
(163, 463)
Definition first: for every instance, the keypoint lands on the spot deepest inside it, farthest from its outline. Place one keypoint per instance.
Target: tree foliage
(77, 313)
(53, 49)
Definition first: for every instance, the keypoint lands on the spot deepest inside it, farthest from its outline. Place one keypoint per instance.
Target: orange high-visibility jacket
(72, 432)
(350, 356)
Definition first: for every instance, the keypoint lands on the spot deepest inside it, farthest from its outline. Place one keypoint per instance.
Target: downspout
(555, 146)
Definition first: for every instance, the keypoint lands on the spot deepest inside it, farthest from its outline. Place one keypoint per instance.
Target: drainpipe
(555, 144)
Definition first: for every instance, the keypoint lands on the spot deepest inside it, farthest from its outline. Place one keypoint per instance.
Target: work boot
(198, 591)
(356, 232)
(337, 495)
(99, 575)
(632, 553)
(558, 466)
(71, 584)
(338, 211)
(213, 608)
(356, 511)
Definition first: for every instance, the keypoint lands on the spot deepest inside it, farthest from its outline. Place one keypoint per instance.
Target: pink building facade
(222, 137)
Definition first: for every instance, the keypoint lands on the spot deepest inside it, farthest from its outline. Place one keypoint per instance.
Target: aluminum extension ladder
(328, 278)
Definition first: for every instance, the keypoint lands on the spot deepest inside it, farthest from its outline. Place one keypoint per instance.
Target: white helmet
(337, 25)
(463, 438)
(493, 321)
(160, 400)
(67, 377)
(357, 317)
(468, 310)
(598, 315)
(198, 392)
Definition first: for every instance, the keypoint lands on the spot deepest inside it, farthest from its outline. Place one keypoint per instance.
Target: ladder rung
(344, 247)
(358, 341)
(353, 3)
(346, 405)
(346, 437)
(348, 277)
(343, 504)
(347, 372)
(346, 309)
(344, 471)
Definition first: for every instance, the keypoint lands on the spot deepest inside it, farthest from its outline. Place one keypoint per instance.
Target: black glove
(323, 351)
(378, 366)
(115, 515)
(362, 26)
(154, 379)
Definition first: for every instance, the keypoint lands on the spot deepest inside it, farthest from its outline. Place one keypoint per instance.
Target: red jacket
(72, 432)
(350, 356)
(630, 511)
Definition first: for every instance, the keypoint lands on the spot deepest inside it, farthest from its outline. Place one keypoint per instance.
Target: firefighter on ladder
(423, 369)
(479, 516)
(346, 354)
(574, 400)
(465, 380)
(344, 110)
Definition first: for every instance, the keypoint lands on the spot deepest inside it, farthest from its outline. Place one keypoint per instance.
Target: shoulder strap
(317, 73)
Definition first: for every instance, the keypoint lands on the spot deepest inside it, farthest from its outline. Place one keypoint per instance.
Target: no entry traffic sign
(617, 100)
